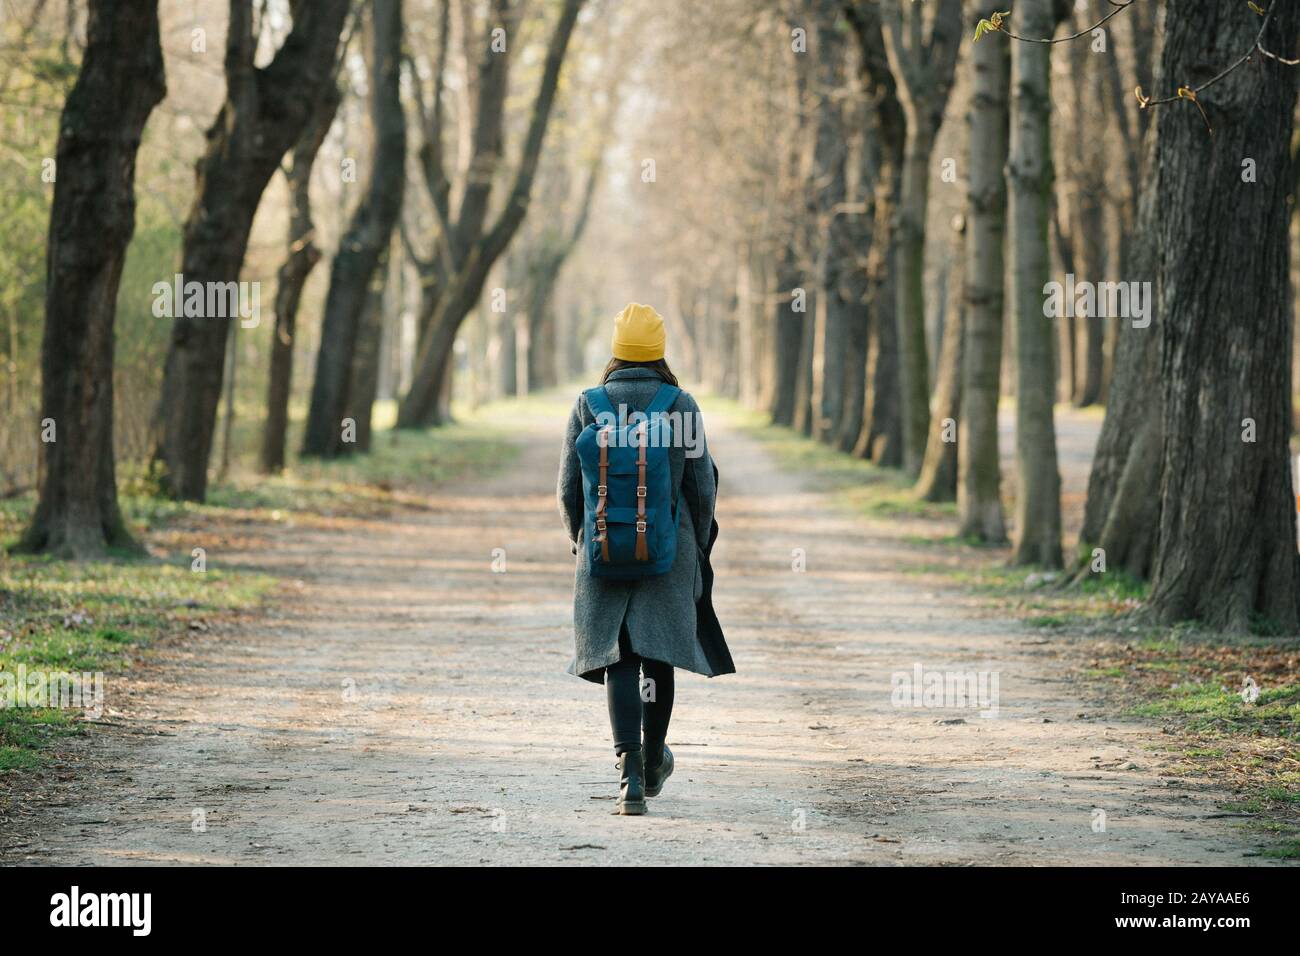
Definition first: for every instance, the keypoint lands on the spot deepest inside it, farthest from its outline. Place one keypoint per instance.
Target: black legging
(630, 705)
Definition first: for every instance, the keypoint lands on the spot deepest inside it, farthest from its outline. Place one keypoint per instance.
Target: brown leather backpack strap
(602, 494)
(642, 552)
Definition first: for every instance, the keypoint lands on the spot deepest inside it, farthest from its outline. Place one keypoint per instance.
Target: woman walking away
(637, 490)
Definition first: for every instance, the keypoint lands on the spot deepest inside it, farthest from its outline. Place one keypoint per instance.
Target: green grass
(26, 732)
(1203, 752)
(1209, 706)
(1288, 850)
(96, 618)
(399, 469)
(861, 485)
(99, 616)
(92, 615)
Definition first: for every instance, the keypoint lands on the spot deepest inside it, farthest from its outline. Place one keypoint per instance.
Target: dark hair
(658, 365)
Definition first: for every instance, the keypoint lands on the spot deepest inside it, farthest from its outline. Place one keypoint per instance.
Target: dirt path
(411, 707)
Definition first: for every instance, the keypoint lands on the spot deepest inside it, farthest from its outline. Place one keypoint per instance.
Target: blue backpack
(629, 519)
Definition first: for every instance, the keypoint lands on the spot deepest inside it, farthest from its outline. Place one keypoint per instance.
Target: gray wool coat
(669, 617)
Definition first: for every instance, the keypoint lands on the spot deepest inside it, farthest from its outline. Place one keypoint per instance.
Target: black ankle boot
(631, 795)
(656, 775)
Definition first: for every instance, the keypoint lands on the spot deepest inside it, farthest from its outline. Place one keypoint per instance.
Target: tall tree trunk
(923, 71)
(442, 407)
(91, 222)
(1063, 248)
(541, 277)
(228, 418)
(913, 358)
(857, 335)
(1038, 481)
(803, 382)
(1227, 552)
(881, 438)
(859, 236)
(1295, 273)
(363, 380)
(362, 247)
(1144, 28)
(507, 374)
(297, 266)
(1122, 511)
(979, 498)
(829, 189)
(265, 113)
(788, 326)
(476, 251)
(542, 333)
(938, 479)
(1088, 195)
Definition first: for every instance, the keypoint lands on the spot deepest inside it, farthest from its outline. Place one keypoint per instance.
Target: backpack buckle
(602, 491)
(640, 527)
(600, 525)
(640, 491)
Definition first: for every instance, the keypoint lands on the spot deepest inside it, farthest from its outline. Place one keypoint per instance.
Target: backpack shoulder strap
(664, 399)
(599, 401)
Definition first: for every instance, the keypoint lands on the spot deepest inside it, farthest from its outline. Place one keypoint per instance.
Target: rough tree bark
(298, 264)
(979, 498)
(803, 381)
(1122, 511)
(788, 336)
(938, 478)
(265, 112)
(1029, 173)
(91, 221)
(363, 373)
(829, 189)
(1227, 547)
(787, 303)
(860, 235)
(881, 438)
(1087, 163)
(362, 246)
(473, 250)
(923, 71)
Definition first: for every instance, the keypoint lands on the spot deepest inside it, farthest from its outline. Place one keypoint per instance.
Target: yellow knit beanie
(638, 334)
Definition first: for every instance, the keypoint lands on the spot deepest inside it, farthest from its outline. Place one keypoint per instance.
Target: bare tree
(1122, 512)
(91, 222)
(298, 264)
(979, 499)
(264, 114)
(1085, 199)
(1029, 173)
(1227, 545)
(881, 437)
(788, 302)
(470, 246)
(831, 247)
(860, 236)
(363, 373)
(535, 264)
(938, 478)
(362, 246)
(922, 61)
